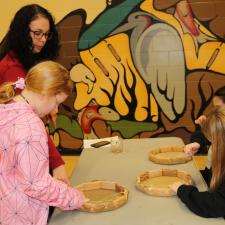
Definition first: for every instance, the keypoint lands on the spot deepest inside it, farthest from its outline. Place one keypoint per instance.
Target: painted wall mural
(141, 68)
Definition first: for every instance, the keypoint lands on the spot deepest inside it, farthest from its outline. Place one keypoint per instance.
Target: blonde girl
(26, 187)
(209, 203)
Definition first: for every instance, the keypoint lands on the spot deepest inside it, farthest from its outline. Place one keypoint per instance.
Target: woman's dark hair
(19, 41)
(220, 93)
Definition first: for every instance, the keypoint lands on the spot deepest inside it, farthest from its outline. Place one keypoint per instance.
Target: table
(123, 168)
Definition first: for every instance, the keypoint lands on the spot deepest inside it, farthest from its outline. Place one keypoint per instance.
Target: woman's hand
(59, 173)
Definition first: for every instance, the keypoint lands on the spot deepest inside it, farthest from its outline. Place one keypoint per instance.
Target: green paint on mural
(71, 127)
(128, 129)
(106, 23)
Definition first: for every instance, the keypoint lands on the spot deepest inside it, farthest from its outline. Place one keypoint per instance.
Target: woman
(32, 37)
(26, 187)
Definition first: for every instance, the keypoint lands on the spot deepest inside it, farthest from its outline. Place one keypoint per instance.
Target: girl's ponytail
(7, 92)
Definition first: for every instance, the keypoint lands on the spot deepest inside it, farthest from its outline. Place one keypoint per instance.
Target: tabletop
(123, 168)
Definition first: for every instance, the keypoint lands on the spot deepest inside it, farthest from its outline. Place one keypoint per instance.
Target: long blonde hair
(49, 78)
(214, 130)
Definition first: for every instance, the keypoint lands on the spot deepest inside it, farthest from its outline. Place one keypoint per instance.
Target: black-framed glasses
(39, 34)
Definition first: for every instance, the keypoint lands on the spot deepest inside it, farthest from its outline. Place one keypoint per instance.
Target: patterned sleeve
(33, 171)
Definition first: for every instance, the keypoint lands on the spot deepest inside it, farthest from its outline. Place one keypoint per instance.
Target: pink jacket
(26, 187)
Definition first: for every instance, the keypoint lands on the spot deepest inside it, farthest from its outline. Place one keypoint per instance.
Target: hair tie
(20, 83)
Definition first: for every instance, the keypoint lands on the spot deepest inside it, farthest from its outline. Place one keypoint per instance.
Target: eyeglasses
(39, 34)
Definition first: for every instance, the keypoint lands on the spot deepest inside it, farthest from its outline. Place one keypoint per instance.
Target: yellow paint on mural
(111, 63)
(58, 9)
(208, 55)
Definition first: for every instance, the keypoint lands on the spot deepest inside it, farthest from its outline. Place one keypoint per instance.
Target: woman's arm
(11, 69)
(55, 158)
(56, 163)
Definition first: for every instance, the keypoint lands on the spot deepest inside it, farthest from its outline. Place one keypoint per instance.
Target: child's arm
(33, 171)
(200, 120)
(198, 137)
(205, 204)
(191, 149)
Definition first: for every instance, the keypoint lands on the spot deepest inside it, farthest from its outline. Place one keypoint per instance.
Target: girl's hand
(59, 173)
(191, 149)
(174, 187)
(200, 120)
(86, 200)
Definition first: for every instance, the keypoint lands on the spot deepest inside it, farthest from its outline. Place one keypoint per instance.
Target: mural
(141, 68)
